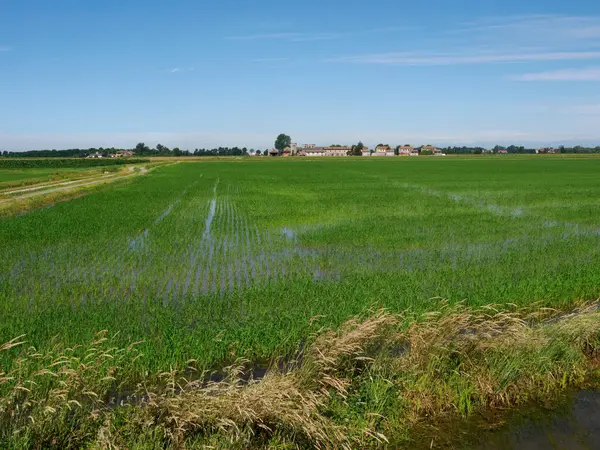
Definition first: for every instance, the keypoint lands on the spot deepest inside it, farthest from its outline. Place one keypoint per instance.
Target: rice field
(210, 261)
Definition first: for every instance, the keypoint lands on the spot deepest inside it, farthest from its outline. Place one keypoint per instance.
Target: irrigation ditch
(433, 380)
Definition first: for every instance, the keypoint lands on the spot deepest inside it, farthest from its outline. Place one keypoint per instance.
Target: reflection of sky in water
(225, 251)
(577, 428)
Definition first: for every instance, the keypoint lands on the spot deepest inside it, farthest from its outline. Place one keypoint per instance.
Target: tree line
(283, 141)
(140, 149)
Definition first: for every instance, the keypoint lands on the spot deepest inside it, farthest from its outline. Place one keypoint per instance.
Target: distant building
(122, 154)
(313, 150)
(366, 151)
(95, 155)
(273, 152)
(546, 151)
(407, 150)
(430, 148)
(383, 150)
(337, 151)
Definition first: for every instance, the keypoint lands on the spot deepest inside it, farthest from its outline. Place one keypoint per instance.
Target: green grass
(219, 260)
(22, 177)
(63, 163)
(12, 179)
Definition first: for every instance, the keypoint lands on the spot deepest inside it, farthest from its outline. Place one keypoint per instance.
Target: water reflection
(573, 427)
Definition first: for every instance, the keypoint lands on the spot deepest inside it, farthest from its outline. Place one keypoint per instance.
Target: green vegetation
(52, 163)
(13, 178)
(378, 380)
(203, 264)
(357, 149)
(282, 142)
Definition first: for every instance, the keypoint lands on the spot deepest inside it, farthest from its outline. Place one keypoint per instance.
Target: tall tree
(357, 149)
(141, 148)
(282, 141)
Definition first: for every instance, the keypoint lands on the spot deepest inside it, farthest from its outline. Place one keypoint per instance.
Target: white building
(431, 148)
(313, 150)
(407, 150)
(383, 150)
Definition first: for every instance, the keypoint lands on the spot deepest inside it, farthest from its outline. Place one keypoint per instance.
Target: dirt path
(70, 185)
(63, 183)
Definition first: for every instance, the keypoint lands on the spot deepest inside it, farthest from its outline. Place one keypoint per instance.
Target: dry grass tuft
(372, 379)
(293, 401)
(46, 393)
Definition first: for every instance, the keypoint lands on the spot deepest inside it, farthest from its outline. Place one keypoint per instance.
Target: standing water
(574, 426)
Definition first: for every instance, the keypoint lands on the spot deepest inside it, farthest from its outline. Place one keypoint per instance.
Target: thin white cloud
(587, 110)
(308, 37)
(181, 69)
(590, 74)
(254, 37)
(540, 28)
(270, 60)
(427, 59)
(316, 37)
(530, 38)
(292, 37)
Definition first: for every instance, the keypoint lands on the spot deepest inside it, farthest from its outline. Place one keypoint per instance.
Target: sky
(196, 74)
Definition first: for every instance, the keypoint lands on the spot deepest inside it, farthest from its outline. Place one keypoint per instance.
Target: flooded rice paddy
(252, 252)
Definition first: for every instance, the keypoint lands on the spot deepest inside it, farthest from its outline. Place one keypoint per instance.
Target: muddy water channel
(572, 425)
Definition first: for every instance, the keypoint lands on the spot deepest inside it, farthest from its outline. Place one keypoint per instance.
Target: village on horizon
(380, 150)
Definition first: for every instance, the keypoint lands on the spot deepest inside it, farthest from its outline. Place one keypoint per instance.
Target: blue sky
(193, 74)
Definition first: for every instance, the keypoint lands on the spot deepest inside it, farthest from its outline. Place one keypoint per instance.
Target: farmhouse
(430, 149)
(337, 150)
(407, 150)
(545, 151)
(122, 154)
(313, 150)
(383, 150)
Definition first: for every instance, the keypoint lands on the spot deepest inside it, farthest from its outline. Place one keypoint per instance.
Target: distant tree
(356, 149)
(282, 141)
(141, 149)
(177, 152)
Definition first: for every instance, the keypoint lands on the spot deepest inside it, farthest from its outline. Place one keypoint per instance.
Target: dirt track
(41, 190)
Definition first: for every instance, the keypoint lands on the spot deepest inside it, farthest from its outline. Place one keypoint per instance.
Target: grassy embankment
(27, 184)
(206, 264)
